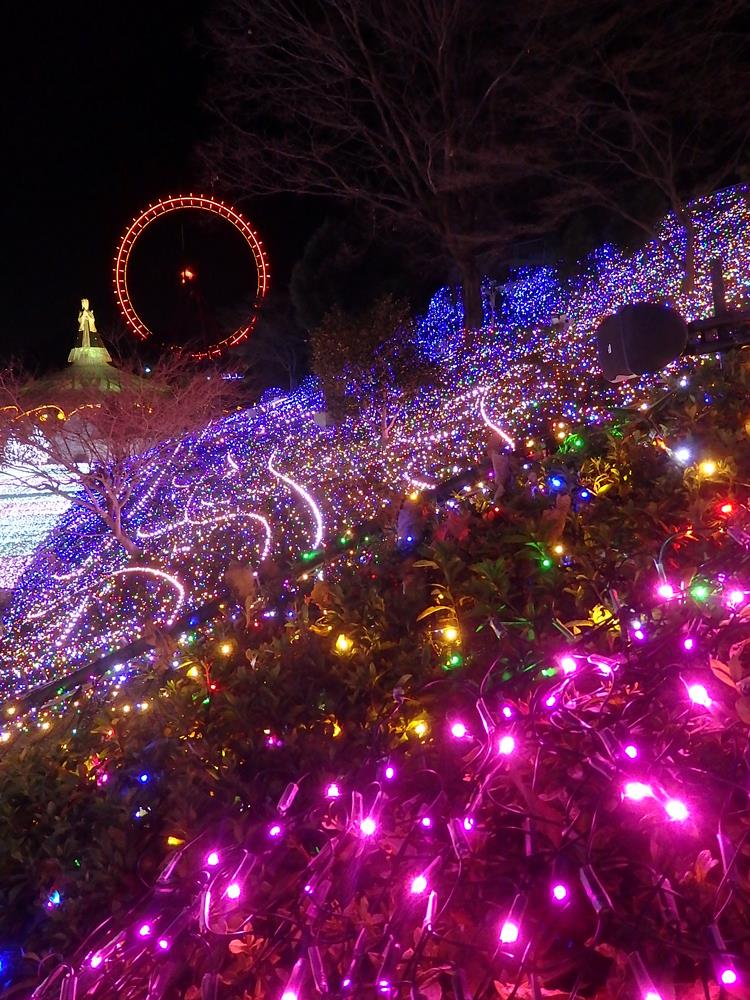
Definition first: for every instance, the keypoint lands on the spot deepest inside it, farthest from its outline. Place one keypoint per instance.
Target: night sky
(102, 110)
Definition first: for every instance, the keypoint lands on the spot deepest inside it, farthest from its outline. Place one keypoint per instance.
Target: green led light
(307, 556)
(700, 591)
(546, 563)
(549, 672)
(454, 660)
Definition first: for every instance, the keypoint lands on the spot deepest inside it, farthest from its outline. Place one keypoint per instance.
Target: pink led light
(426, 822)
(676, 810)
(507, 712)
(735, 597)
(637, 791)
(96, 961)
(275, 830)
(727, 977)
(699, 695)
(506, 745)
(665, 591)
(390, 773)
(144, 930)
(418, 885)
(368, 826)
(631, 751)
(550, 701)
(509, 932)
(163, 944)
(639, 634)
(458, 729)
(333, 791)
(290, 995)
(559, 892)
(652, 995)
(568, 665)
(212, 859)
(468, 823)
(233, 891)
(688, 643)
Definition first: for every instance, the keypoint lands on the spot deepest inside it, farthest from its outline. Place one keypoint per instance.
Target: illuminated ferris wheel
(183, 203)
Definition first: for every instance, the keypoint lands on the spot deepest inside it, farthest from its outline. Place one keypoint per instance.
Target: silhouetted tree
(367, 359)
(647, 103)
(413, 110)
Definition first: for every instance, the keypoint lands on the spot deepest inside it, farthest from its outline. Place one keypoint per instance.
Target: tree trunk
(472, 294)
(385, 426)
(115, 516)
(688, 264)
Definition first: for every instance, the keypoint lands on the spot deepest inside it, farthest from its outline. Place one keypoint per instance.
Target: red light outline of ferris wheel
(175, 204)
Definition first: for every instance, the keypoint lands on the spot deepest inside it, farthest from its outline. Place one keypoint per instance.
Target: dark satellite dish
(640, 338)
(645, 337)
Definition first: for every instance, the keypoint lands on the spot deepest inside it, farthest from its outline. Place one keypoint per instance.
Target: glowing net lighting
(192, 508)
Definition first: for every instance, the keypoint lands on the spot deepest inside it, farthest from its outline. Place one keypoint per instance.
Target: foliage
(367, 358)
(223, 734)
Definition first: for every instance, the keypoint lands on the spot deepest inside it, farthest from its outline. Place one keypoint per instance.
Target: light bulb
(559, 892)
(509, 932)
(418, 885)
(506, 745)
(233, 891)
(368, 826)
(637, 791)
(699, 695)
(212, 859)
(333, 791)
(568, 665)
(458, 729)
(676, 810)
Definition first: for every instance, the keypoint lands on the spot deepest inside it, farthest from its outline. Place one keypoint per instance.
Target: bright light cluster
(272, 481)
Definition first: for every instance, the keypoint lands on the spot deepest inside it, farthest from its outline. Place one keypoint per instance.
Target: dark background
(102, 109)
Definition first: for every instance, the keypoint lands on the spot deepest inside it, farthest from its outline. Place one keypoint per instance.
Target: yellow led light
(450, 633)
(343, 643)
(707, 468)
(420, 729)
(193, 672)
(558, 550)
(174, 841)
(225, 648)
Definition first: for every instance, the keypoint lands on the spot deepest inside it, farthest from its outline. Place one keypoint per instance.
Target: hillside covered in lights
(271, 482)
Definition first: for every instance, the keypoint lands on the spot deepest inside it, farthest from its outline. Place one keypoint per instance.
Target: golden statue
(88, 349)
